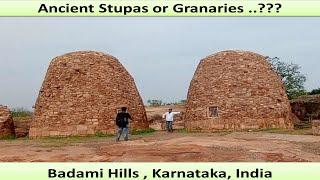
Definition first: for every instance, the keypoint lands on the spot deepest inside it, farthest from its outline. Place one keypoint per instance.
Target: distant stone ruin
(81, 95)
(236, 90)
(22, 126)
(306, 108)
(6, 123)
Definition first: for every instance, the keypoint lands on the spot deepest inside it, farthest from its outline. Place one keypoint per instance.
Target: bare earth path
(161, 146)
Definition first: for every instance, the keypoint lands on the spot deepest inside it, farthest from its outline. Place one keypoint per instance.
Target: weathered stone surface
(306, 108)
(316, 127)
(81, 94)
(243, 92)
(22, 126)
(6, 122)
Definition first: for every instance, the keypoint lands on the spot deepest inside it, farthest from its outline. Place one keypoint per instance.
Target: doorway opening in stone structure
(213, 111)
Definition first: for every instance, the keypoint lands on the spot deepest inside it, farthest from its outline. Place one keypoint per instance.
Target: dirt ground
(163, 147)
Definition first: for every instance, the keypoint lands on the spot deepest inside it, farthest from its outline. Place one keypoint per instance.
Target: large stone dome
(235, 90)
(81, 95)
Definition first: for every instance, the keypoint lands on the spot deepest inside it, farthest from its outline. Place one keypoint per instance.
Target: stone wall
(306, 108)
(235, 90)
(81, 95)
(22, 126)
(316, 127)
(6, 122)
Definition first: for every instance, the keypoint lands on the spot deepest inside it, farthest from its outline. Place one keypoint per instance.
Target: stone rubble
(6, 123)
(316, 127)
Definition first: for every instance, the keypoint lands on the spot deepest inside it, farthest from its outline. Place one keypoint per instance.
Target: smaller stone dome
(234, 90)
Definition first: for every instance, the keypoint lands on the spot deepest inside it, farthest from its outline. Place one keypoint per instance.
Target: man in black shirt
(122, 121)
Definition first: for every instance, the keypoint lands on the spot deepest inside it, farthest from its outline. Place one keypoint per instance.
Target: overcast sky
(160, 53)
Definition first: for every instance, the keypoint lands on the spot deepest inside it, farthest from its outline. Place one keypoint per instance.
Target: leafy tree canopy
(290, 75)
(315, 91)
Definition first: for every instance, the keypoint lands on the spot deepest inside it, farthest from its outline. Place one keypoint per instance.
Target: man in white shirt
(169, 119)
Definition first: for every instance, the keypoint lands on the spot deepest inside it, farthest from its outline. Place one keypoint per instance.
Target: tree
(155, 102)
(290, 75)
(315, 91)
(20, 112)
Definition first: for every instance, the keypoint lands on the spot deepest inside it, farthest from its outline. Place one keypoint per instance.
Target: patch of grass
(143, 132)
(22, 118)
(101, 134)
(217, 133)
(305, 131)
(50, 142)
(71, 140)
(9, 137)
(222, 133)
(183, 131)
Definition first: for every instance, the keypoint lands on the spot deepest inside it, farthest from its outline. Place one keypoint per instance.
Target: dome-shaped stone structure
(81, 95)
(235, 90)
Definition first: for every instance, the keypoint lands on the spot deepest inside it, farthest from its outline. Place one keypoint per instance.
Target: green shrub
(9, 137)
(101, 134)
(315, 91)
(20, 112)
(142, 132)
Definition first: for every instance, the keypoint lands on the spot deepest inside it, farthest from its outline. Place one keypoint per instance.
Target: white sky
(160, 53)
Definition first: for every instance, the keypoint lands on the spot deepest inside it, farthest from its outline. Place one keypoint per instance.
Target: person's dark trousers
(169, 126)
(124, 130)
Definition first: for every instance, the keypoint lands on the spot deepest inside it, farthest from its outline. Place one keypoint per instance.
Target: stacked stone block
(6, 123)
(81, 95)
(236, 90)
(306, 107)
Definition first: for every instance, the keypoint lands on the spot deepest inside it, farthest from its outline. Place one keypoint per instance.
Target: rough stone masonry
(316, 127)
(6, 122)
(306, 107)
(81, 95)
(235, 90)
